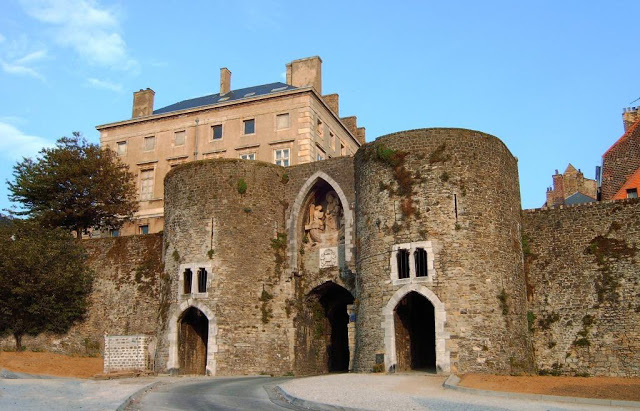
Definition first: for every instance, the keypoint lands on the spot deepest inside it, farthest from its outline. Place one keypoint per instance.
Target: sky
(549, 78)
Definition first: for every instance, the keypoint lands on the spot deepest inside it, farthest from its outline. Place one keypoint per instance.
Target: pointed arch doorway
(415, 334)
(193, 336)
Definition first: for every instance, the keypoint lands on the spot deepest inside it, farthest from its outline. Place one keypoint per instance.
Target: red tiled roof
(632, 182)
(626, 134)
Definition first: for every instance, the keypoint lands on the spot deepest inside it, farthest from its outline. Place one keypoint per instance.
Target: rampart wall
(583, 287)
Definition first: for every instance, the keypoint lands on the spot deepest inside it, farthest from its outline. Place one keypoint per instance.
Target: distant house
(621, 163)
(571, 187)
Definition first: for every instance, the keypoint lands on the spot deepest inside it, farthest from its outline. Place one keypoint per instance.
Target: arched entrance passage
(322, 331)
(193, 335)
(415, 334)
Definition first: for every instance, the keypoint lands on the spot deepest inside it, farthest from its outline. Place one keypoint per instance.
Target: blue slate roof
(233, 95)
(578, 198)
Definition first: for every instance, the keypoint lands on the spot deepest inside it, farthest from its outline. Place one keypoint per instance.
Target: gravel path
(406, 392)
(55, 394)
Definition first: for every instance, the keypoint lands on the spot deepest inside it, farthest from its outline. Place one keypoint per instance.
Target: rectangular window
(216, 132)
(320, 156)
(115, 233)
(282, 121)
(332, 138)
(281, 157)
(319, 128)
(248, 156)
(249, 126)
(149, 143)
(202, 280)
(403, 263)
(179, 138)
(343, 149)
(143, 229)
(632, 193)
(420, 257)
(146, 185)
(187, 278)
(121, 149)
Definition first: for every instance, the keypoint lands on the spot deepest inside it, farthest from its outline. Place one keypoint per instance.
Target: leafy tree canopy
(44, 282)
(76, 185)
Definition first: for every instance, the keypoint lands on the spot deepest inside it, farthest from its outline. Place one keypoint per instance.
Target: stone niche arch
(173, 364)
(297, 214)
(443, 355)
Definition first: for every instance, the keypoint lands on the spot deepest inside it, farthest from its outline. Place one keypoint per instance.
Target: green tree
(76, 185)
(44, 282)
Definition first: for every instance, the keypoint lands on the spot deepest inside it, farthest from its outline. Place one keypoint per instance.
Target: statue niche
(325, 223)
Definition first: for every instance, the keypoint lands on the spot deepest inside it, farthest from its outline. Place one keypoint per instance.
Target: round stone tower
(224, 250)
(439, 256)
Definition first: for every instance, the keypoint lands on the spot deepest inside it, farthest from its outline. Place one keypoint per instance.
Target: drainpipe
(195, 149)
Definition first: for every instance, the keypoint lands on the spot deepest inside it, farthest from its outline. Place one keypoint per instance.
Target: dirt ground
(588, 387)
(45, 363)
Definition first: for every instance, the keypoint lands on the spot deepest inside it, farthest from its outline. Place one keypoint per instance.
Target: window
(319, 128)
(149, 143)
(632, 193)
(115, 233)
(146, 185)
(121, 149)
(402, 258)
(179, 138)
(249, 126)
(202, 280)
(248, 156)
(320, 156)
(282, 121)
(282, 157)
(343, 149)
(187, 277)
(332, 138)
(420, 258)
(412, 262)
(143, 229)
(216, 132)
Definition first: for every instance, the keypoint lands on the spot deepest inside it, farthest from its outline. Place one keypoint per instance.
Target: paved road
(207, 393)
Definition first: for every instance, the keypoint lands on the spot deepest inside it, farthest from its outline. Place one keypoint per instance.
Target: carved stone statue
(323, 227)
(333, 212)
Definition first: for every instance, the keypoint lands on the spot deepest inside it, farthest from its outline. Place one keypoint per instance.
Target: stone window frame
(121, 145)
(194, 280)
(244, 126)
(412, 247)
(213, 132)
(144, 195)
(144, 144)
(248, 156)
(282, 159)
(182, 133)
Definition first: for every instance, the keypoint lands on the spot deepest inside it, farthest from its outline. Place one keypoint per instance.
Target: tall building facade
(281, 123)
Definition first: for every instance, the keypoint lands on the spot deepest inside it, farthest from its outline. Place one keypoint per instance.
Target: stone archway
(322, 331)
(415, 334)
(173, 331)
(193, 336)
(298, 210)
(389, 312)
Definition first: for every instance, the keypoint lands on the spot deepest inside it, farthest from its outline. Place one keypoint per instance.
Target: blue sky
(549, 78)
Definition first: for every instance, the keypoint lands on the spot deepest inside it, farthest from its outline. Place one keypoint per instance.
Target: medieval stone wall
(584, 287)
(454, 193)
(125, 298)
(228, 216)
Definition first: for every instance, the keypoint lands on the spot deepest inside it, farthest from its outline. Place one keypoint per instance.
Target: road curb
(453, 380)
(311, 405)
(137, 394)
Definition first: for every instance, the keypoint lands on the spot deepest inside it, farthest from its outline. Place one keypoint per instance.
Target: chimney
(225, 81)
(629, 116)
(306, 72)
(142, 103)
(333, 101)
(361, 135)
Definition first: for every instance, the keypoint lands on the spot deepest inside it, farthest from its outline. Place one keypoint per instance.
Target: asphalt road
(207, 393)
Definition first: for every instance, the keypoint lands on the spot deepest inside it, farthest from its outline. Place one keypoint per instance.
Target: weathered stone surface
(583, 287)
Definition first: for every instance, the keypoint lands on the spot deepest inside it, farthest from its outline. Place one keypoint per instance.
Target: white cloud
(13, 68)
(32, 57)
(107, 85)
(88, 28)
(15, 144)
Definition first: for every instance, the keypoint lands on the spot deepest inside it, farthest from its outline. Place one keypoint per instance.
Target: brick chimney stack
(306, 72)
(142, 103)
(629, 116)
(225, 81)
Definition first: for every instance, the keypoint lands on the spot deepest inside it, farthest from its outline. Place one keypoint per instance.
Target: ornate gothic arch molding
(292, 228)
(212, 347)
(443, 355)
